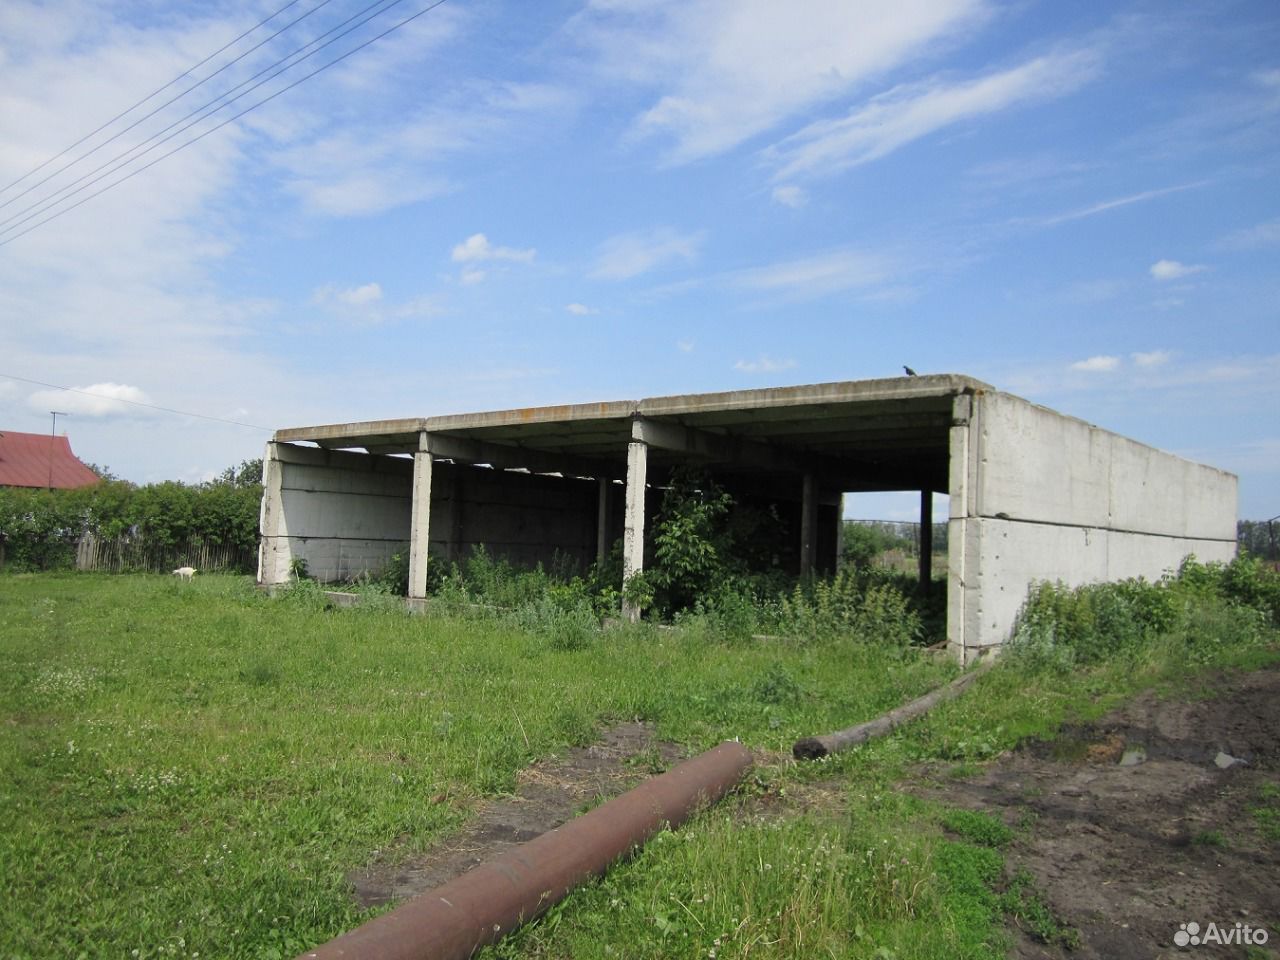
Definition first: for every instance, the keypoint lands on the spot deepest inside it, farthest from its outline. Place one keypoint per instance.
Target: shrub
(394, 575)
(1061, 627)
(853, 605)
(40, 528)
(1203, 607)
(564, 628)
(690, 544)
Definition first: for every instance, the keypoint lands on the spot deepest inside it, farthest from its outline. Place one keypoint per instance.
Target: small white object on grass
(186, 573)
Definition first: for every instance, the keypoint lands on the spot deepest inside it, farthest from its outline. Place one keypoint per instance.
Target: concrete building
(1034, 495)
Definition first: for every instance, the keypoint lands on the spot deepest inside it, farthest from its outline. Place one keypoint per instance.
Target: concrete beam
(420, 524)
(343, 459)
(633, 529)
(858, 391)
(711, 446)
(352, 432)
(840, 472)
(506, 457)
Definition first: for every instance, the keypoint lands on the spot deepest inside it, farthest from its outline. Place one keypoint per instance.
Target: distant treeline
(1260, 538)
(42, 529)
(866, 539)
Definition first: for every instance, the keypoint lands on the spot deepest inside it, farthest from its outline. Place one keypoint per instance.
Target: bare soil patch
(548, 793)
(1138, 824)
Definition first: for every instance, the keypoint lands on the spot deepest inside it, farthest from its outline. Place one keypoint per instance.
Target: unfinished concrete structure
(1034, 495)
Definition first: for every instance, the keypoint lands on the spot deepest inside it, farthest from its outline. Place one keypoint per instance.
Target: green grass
(193, 768)
(1267, 813)
(980, 828)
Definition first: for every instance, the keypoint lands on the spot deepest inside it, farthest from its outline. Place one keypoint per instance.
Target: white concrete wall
(341, 512)
(1040, 496)
(346, 513)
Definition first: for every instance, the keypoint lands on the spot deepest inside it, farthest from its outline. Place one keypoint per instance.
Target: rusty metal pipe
(455, 920)
(814, 748)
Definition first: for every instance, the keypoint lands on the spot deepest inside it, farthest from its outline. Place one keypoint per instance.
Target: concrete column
(808, 524)
(270, 517)
(926, 539)
(633, 530)
(420, 524)
(962, 554)
(839, 530)
(602, 521)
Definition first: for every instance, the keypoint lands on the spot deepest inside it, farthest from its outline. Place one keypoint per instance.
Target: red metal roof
(39, 460)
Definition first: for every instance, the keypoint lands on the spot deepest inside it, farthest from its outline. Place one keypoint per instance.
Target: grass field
(190, 769)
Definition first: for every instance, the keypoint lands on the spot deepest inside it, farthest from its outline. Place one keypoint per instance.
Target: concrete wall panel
(1061, 500)
(345, 513)
(1134, 555)
(1039, 465)
(341, 513)
(1156, 492)
(1012, 555)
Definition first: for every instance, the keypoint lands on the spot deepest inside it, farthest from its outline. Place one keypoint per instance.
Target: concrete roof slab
(893, 430)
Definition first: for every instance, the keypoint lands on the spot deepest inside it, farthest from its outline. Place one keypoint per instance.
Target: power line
(123, 159)
(154, 93)
(119, 133)
(232, 119)
(137, 403)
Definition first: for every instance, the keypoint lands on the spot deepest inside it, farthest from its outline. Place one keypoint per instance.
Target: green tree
(247, 475)
(692, 546)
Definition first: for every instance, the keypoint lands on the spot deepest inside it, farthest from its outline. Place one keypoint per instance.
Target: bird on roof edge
(910, 372)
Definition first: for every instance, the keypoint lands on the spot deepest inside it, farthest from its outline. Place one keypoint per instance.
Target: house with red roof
(40, 460)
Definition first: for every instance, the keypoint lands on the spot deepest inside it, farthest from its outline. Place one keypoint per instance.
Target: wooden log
(811, 748)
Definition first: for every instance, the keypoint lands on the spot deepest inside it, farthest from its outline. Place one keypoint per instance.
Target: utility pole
(53, 429)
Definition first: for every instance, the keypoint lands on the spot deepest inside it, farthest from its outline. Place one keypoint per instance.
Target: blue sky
(507, 204)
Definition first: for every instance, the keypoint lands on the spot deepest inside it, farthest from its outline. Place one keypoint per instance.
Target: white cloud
(96, 400)
(790, 195)
(1027, 172)
(1106, 205)
(1253, 378)
(1253, 238)
(1154, 358)
(1100, 364)
(377, 148)
(470, 278)
(907, 113)
(359, 296)
(417, 307)
(367, 304)
(359, 194)
(727, 70)
(685, 346)
(631, 254)
(764, 364)
(1173, 270)
(580, 309)
(477, 249)
(817, 275)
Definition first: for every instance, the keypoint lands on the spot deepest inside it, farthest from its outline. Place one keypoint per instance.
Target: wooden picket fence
(136, 555)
